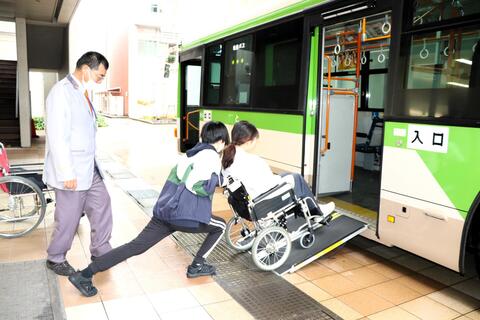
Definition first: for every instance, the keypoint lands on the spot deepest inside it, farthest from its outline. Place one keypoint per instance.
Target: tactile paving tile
(120, 174)
(147, 203)
(143, 194)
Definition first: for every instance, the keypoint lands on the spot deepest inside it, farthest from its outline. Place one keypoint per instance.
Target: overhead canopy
(50, 11)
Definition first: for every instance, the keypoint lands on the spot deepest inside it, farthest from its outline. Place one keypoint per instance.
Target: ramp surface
(340, 230)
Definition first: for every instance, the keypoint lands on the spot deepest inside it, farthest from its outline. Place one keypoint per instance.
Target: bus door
(353, 73)
(191, 72)
(337, 127)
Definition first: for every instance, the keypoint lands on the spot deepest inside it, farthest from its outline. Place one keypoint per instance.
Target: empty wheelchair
(22, 200)
(270, 223)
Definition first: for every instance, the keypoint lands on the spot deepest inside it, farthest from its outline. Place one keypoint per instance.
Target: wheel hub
(271, 248)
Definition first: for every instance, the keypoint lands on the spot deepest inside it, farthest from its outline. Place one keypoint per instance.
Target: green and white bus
(376, 103)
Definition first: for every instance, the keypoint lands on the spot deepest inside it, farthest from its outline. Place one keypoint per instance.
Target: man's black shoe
(62, 268)
(84, 285)
(200, 269)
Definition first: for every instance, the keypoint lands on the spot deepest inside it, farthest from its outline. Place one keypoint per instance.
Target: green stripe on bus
(457, 171)
(312, 99)
(270, 121)
(278, 14)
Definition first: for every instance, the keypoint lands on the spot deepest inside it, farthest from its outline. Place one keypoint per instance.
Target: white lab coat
(70, 136)
(253, 172)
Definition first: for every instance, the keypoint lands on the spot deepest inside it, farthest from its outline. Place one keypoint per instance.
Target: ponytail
(228, 155)
(242, 132)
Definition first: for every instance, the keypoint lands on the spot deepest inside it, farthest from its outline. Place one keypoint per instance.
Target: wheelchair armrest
(268, 192)
(362, 135)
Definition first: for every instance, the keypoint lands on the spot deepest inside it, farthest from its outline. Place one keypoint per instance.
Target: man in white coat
(70, 166)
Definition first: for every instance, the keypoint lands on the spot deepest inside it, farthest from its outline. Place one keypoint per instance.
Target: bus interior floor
(365, 190)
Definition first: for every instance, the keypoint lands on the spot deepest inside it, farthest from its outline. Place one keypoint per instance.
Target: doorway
(354, 67)
(191, 73)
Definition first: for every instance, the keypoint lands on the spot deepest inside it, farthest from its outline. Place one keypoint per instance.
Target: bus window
(238, 71)
(431, 11)
(192, 85)
(376, 91)
(213, 63)
(441, 72)
(277, 66)
(341, 48)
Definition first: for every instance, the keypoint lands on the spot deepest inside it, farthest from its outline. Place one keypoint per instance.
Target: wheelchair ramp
(339, 231)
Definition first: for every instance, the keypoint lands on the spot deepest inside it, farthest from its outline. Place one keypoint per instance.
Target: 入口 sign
(428, 138)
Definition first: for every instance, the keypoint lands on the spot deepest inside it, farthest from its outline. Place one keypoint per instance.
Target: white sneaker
(327, 208)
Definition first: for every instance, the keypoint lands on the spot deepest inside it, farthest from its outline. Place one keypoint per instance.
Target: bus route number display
(428, 138)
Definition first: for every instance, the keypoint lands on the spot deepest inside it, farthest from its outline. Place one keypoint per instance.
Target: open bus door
(191, 72)
(337, 130)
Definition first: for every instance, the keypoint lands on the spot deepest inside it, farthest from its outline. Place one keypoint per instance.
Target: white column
(22, 83)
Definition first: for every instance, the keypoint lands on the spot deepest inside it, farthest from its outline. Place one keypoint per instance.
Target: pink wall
(117, 51)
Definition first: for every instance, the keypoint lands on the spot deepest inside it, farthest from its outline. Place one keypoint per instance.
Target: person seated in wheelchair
(255, 174)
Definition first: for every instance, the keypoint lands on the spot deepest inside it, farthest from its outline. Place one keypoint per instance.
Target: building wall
(8, 45)
(46, 46)
(117, 53)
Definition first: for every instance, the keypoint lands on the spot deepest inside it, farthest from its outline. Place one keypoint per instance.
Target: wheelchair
(268, 224)
(22, 200)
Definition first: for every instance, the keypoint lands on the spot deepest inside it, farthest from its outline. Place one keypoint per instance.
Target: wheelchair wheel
(22, 206)
(307, 240)
(271, 248)
(240, 233)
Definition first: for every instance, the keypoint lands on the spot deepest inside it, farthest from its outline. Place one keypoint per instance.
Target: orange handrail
(343, 79)
(188, 123)
(324, 149)
(378, 38)
(333, 36)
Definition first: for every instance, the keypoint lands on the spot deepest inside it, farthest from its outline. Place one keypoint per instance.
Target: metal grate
(279, 300)
(263, 294)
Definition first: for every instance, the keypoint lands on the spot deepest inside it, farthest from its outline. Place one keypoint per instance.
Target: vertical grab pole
(355, 112)
(327, 115)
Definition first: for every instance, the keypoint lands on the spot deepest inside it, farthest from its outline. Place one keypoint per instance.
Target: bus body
(374, 102)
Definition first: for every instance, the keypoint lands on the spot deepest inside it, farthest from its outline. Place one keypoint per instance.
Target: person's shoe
(61, 268)
(84, 285)
(200, 269)
(327, 208)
